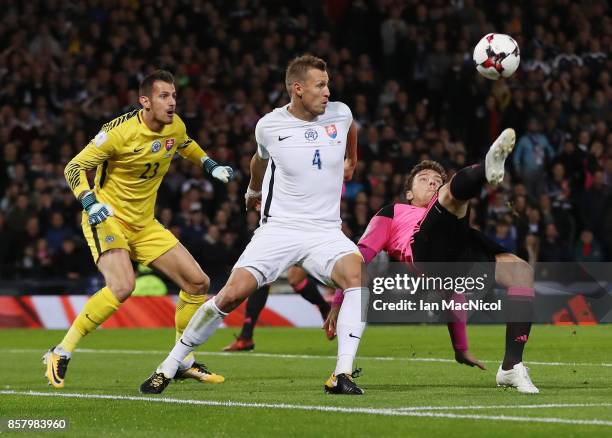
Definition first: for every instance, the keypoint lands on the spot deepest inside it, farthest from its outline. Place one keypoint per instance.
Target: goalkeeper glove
(222, 173)
(96, 211)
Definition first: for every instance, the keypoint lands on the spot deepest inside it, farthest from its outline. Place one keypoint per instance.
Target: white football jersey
(303, 181)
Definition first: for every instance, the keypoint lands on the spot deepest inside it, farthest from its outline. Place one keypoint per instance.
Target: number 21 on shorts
(316, 160)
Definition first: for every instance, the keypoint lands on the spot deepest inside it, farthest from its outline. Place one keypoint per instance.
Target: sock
(466, 183)
(349, 329)
(519, 312)
(97, 310)
(309, 291)
(186, 307)
(254, 306)
(202, 325)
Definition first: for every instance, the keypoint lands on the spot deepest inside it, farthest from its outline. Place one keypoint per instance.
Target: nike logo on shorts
(353, 336)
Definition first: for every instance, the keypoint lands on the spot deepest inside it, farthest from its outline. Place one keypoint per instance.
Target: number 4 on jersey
(316, 160)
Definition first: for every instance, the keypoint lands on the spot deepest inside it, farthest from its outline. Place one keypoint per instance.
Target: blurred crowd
(404, 67)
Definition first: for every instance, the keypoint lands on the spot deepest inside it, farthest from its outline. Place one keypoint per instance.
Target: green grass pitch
(413, 388)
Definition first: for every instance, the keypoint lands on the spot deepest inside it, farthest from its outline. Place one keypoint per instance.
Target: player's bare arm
(329, 325)
(350, 162)
(253, 194)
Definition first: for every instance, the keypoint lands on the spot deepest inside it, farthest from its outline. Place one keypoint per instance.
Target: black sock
(466, 183)
(520, 314)
(255, 305)
(310, 293)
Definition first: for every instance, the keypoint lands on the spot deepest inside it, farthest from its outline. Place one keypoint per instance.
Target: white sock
(187, 362)
(202, 324)
(62, 352)
(349, 329)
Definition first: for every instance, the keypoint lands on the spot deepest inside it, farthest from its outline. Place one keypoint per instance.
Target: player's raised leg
(349, 327)
(116, 267)
(203, 324)
(516, 275)
(178, 265)
(468, 182)
(510, 271)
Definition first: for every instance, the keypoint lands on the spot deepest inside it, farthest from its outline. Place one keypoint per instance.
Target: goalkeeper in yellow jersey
(132, 153)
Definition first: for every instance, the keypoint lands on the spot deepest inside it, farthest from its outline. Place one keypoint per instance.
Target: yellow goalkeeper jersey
(131, 161)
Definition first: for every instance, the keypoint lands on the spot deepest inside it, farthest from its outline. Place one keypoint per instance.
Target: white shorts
(274, 248)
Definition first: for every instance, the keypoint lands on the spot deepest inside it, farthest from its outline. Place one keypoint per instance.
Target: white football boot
(518, 378)
(496, 157)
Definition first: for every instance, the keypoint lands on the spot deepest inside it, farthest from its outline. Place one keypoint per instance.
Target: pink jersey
(392, 230)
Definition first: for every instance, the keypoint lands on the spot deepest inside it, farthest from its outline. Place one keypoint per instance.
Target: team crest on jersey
(156, 146)
(311, 134)
(109, 239)
(169, 144)
(331, 131)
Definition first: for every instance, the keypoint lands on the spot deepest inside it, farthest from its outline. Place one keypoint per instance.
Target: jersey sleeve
(346, 112)
(98, 150)
(188, 148)
(378, 231)
(262, 142)
(262, 152)
(191, 150)
(368, 254)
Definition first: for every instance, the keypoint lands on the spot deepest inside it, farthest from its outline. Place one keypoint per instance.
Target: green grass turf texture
(396, 383)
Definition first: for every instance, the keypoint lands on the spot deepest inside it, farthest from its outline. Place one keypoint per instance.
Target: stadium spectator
(71, 263)
(588, 249)
(57, 232)
(531, 155)
(596, 200)
(6, 249)
(505, 235)
(552, 248)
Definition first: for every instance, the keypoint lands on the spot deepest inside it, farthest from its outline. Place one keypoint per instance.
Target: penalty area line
(299, 356)
(335, 409)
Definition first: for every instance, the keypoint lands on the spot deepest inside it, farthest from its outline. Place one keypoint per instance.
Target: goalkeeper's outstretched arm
(192, 151)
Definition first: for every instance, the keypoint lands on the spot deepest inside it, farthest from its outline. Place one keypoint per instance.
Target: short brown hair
(297, 68)
(146, 85)
(424, 165)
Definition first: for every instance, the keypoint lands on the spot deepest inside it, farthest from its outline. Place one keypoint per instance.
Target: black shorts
(445, 239)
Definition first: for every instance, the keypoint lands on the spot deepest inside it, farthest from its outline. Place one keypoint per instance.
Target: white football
(497, 55)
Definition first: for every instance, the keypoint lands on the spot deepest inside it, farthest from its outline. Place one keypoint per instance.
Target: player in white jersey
(296, 181)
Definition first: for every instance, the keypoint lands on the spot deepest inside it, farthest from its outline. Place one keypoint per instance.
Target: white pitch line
(593, 422)
(542, 406)
(371, 411)
(299, 356)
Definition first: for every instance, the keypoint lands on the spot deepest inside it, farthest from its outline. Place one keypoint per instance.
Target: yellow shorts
(144, 245)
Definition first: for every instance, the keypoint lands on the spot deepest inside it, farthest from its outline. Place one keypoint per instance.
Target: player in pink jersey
(433, 227)
(391, 230)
